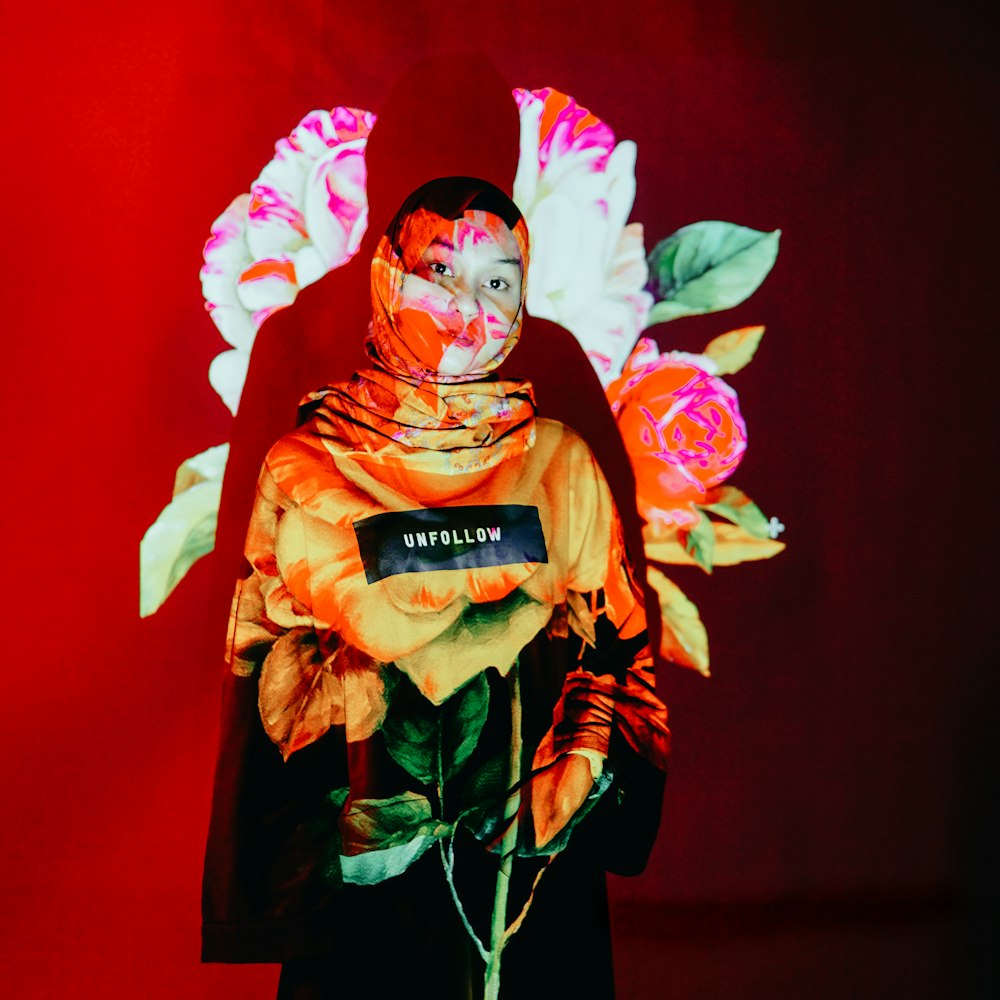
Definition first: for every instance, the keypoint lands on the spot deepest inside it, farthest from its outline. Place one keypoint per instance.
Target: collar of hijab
(402, 412)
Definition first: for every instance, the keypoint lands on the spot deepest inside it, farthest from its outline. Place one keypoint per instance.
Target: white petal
(629, 270)
(266, 291)
(226, 257)
(209, 464)
(526, 178)
(555, 232)
(183, 532)
(621, 183)
(335, 203)
(227, 374)
(235, 323)
(309, 267)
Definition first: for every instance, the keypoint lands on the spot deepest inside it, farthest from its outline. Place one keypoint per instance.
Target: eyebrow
(442, 241)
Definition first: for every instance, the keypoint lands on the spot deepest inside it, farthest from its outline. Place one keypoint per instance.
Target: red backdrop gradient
(840, 749)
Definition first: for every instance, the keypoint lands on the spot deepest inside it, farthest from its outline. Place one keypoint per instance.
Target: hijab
(407, 344)
(406, 411)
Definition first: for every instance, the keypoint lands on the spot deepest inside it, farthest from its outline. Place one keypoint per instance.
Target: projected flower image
(404, 662)
(576, 186)
(680, 419)
(682, 429)
(304, 215)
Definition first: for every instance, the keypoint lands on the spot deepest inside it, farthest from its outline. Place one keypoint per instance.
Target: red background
(829, 827)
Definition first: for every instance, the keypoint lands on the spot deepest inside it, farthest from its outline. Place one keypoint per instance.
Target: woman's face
(462, 298)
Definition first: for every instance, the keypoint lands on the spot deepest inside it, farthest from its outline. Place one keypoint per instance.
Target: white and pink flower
(576, 187)
(305, 215)
(309, 206)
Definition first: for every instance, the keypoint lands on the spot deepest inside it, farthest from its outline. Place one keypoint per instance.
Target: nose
(466, 305)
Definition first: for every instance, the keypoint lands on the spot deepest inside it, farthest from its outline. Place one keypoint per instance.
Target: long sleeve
(274, 597)
(613, 685)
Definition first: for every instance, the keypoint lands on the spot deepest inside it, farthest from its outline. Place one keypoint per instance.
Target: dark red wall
(841, 749)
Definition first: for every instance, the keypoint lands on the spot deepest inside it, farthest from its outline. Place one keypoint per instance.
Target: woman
(437, 647)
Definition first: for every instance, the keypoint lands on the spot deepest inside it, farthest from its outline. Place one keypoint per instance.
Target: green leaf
(683, 639)
(734, 350)
(733, 544)
(386, 836)
(178, 538)
(709, 266)
(487, 785)
(417, 731)
(338, 797)
(734, 505)
(377, 866)
(375, 824)
(184, 531)
(667, 549)
(488, 821)
(699, 543)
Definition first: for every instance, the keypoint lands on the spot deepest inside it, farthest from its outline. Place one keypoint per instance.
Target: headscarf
(405, 412)
(392, 342)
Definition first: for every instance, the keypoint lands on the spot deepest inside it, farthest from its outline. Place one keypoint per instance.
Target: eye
(497, 284)
(440, 267)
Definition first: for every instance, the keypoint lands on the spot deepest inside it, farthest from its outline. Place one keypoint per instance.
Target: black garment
(402, 940)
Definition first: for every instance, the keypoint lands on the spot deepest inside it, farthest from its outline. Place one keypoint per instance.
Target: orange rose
(682, 429)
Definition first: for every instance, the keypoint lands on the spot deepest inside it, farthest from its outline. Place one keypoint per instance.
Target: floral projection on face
(448, 283)
(462, 300)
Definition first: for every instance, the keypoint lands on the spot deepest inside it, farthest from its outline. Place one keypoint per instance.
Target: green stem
(498, 937)
(448, 863)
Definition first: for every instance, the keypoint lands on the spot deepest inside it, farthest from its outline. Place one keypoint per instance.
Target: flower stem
(448, 862)
(498, 936)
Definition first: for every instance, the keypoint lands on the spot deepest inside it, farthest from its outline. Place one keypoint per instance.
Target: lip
(470, 336)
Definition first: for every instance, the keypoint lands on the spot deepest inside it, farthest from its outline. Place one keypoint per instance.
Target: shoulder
(554, 433)
(298, 461)
(561, 444)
